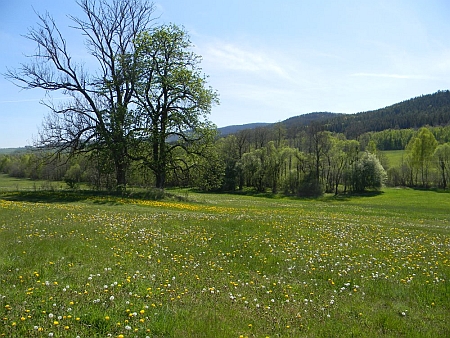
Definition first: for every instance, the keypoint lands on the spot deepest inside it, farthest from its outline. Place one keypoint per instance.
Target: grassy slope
(394, 157)
(225, 266)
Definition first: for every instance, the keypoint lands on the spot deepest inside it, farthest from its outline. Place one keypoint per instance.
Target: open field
(76, 264)
(395, 157)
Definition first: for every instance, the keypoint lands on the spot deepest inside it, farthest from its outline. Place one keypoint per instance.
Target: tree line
(261, 159)
(426, 110)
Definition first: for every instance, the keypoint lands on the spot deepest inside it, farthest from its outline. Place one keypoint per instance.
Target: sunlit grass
(8, 183)
(225, 266)
(395, 157)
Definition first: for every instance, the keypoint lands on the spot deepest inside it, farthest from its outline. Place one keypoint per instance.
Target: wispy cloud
(390, 76)
(236, 58)
(385, 75)
(32, 100)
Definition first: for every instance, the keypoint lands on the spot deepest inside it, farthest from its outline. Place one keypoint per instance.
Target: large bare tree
(97, 114)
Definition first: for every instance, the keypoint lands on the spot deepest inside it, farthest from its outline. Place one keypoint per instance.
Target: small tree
(368, 173)
(442, 156)
(73, 176)
(420, 150)
(229, 155)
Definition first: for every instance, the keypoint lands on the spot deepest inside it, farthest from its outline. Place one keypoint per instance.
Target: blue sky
(269, 60)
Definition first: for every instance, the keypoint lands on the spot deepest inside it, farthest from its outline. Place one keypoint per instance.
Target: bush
(368, 173)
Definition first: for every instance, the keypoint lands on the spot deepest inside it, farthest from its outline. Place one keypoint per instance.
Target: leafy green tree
(172, 100)
(276, 157)
(73, 176)
(420, 151)
(252, 164)
(442, 157)
(209, 170)
(368, 173)
(229, 154)
(295, 172)
(319, 144)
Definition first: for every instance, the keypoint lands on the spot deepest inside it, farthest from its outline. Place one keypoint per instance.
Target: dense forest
(302, 159)
(426, 110)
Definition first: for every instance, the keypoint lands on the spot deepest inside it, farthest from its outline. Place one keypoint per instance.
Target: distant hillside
(431, 110)
(425, 110)
(291, 123)
(7, 151)
(307, 119)
(235, 128)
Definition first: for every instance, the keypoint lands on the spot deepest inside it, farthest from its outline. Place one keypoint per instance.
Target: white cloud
(32, 100)
(391, 76)
(227, 56)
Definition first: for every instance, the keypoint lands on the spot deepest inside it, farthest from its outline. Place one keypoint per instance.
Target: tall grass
(224, 266)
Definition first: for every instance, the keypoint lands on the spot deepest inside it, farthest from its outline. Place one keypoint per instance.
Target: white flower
(50, 315)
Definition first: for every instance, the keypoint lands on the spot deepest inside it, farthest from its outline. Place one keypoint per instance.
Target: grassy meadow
(395, 157)
(76, 264)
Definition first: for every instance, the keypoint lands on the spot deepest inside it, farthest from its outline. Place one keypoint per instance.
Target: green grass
(394, 157)
(8, 183)
(79, 264)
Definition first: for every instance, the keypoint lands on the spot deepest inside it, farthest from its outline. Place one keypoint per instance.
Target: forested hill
(235, 128)
(306, 119)
(431, 110)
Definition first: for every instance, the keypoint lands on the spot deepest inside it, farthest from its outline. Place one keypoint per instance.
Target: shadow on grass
(438, 190)
(96, 197)
(51, 196)
(352, 196)
(270, 195)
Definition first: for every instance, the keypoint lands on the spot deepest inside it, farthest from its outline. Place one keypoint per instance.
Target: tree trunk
(444, 179)
(121, 177)
(160, 179)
